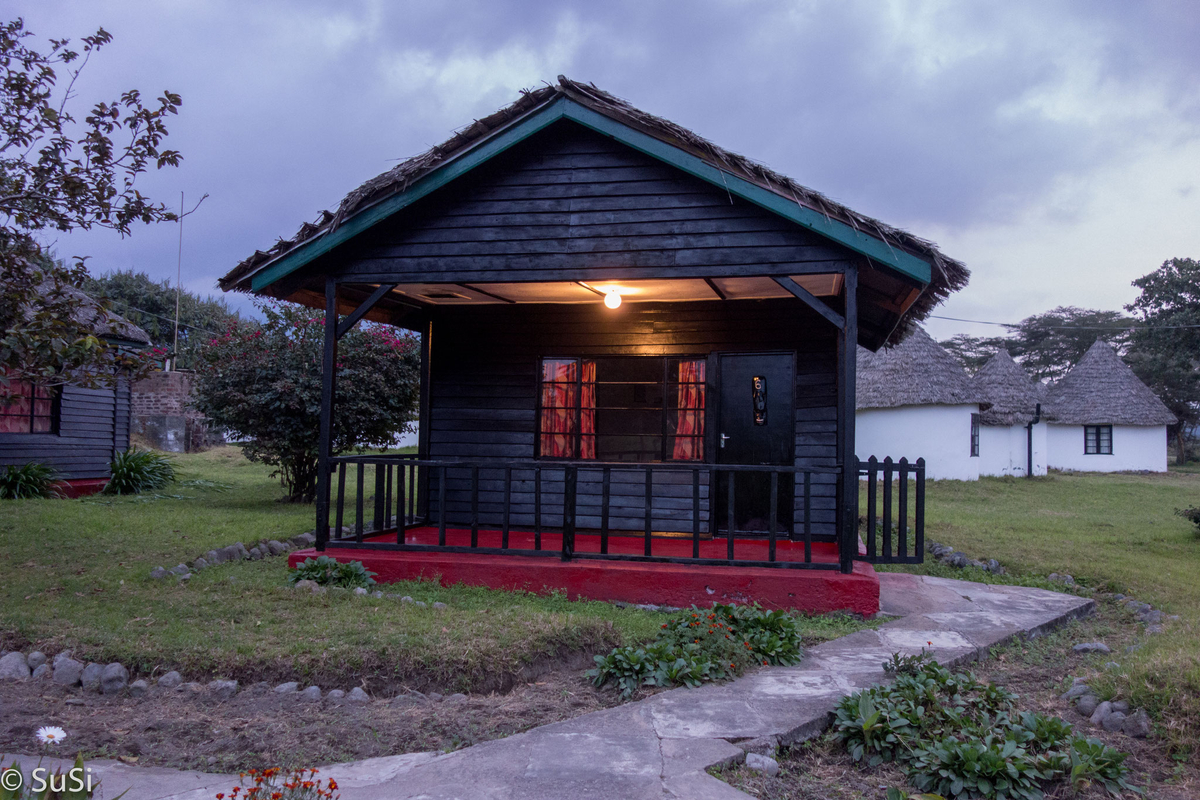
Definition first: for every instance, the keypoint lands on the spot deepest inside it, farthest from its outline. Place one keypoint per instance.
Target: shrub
(699, 645)
(959, 738)
(135, 471)
(263, 382)
(28, 480)
(328, 571)
(1192, 515)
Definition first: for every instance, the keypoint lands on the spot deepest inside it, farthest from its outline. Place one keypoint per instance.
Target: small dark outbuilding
(75, 430)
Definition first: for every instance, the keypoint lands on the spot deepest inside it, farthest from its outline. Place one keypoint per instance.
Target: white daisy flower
(50, 734)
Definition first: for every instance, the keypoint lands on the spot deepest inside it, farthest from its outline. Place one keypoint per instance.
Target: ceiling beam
(352, 319)
(811, 301)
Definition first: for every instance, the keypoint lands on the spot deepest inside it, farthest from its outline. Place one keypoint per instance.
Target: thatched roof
(949, 275)
(1102, 390)
(916, 372)
(91, 314)
(1004, 384)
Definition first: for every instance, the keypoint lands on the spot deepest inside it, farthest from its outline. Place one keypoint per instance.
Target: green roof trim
(564, 108)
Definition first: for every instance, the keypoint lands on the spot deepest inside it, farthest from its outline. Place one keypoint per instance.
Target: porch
(567, 526)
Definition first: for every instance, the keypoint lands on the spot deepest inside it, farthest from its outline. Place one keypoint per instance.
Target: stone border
(237, 551)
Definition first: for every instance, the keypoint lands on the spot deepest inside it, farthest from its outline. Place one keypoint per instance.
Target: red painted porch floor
(811, 590)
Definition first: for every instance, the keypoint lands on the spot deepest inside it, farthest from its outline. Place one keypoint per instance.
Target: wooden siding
(93, 424)
(484, 394)
(570, 204)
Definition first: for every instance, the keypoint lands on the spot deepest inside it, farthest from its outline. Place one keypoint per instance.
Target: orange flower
(333, 784)
(220, 796)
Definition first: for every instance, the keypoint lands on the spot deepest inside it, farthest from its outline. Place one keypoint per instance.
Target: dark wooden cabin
(613, 432)
(74, 429)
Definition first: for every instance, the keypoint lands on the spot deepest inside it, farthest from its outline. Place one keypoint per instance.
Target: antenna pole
(178, 282)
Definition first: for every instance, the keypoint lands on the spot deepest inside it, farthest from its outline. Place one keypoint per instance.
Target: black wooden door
(756, 425)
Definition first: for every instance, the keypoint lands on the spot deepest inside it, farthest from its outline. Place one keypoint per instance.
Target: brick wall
(163, 393)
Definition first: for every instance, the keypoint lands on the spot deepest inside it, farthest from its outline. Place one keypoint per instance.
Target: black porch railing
(887, 530)
(660, 504)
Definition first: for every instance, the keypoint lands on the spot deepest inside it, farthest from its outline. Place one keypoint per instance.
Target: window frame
(975, 427)
(55, 417)
(664, 409)
(1090, 431)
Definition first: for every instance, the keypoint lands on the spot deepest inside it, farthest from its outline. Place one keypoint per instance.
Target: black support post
(325, 445)
(847, 363)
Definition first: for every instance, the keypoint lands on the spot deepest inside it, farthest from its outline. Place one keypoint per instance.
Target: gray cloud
(937, 116)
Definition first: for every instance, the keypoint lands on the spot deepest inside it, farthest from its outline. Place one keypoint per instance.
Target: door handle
(723, 439)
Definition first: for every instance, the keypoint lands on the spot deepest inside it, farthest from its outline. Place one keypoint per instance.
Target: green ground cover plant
(135, 471)
(1114, 532)
(326, 571)
(703, 644)
(25, 481)
(75, 574)
(960, 738)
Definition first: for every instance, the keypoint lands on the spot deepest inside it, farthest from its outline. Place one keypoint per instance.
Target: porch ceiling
(643, 291)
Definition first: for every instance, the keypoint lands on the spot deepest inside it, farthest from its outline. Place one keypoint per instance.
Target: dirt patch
(1037, 670)
(258, 728)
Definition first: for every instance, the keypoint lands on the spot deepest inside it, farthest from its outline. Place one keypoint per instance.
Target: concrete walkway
(660, 747)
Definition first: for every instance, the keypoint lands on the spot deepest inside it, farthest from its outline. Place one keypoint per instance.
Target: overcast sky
(1052, 146)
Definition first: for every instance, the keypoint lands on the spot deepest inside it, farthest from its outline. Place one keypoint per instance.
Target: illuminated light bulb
(612, 298)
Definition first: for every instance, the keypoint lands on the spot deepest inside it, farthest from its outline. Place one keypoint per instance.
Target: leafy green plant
(1093, 760)
(135, 471)
(703, 645)
(327, 571)
(28, 480)
(959, 738)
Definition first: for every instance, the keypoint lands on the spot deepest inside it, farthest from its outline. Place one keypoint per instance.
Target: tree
(264, 383)
(59, 174)
(1165, 352)
(1047, 345)
(150, 305)
(974, 351)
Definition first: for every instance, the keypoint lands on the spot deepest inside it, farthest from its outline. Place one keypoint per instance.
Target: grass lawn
(1111, 532)
(75, 574)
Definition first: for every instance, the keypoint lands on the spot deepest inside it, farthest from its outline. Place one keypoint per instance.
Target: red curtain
(587, 411)
(560, 412)
(558, 408)
(15, 417)
(689, 425)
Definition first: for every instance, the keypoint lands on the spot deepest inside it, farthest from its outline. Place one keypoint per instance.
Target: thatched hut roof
(1102, 390)
(949, 275)
(916, 372)
(1004, 384)
(90, 314)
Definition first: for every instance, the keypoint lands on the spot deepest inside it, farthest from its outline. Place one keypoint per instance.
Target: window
(622, 409)
(31, 410)
(974, 435)
(1097, 440)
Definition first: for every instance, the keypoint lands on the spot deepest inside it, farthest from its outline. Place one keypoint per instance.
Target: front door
(756, 426)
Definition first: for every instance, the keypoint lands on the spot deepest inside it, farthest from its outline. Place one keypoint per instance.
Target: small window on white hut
(974, 435)
(1097, 440)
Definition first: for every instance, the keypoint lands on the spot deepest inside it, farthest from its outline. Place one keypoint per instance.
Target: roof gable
(398, 188)
(1102, 390)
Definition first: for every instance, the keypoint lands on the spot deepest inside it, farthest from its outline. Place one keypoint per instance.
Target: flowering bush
(275, 784)
(703, 645)
(263, 382)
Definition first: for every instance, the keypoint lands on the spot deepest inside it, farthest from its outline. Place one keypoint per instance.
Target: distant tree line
(150, 305)
(1159, 339)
